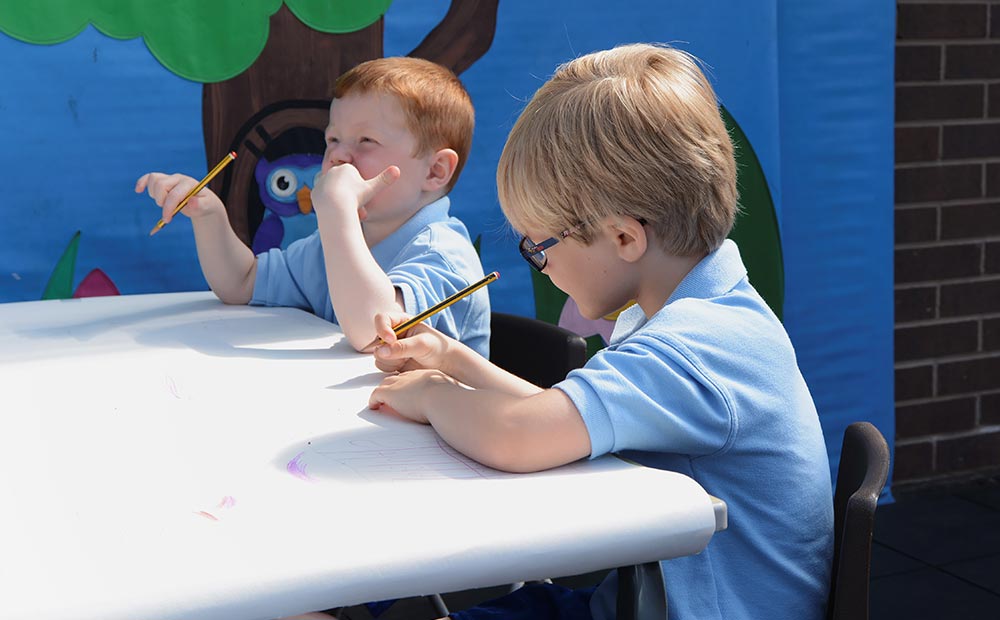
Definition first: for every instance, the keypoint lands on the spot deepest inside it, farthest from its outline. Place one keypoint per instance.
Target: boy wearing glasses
(400, 131)
(620, 174)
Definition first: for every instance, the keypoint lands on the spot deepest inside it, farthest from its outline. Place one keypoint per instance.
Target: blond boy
(620, 175)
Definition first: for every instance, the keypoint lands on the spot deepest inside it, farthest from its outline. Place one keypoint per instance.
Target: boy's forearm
(228, 264)
(474, 370)
(508, 432)
(359, 289)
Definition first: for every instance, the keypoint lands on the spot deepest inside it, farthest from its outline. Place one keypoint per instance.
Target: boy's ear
(629, 238)
(442, 166)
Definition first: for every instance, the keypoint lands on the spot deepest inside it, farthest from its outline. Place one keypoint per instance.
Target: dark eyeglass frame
(534, 253)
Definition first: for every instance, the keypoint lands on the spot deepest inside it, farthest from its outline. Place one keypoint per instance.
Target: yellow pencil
(472, 288)
(197, 188)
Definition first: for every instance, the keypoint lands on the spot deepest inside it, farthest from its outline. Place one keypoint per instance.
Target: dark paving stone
(939, 530)
(985, 493)
(885, 562)
(984, 572)
(930, 594)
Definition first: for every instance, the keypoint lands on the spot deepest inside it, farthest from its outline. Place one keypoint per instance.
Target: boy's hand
(167, 190)
(342, 189)
(402, 394)
(421, 346)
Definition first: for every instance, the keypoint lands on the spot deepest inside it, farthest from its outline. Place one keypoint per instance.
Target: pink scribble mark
(297, 468)
(227, 501)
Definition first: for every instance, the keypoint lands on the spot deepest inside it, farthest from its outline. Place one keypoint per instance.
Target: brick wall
(947, 254)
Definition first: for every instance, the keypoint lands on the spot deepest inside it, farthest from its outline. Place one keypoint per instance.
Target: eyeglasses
(534, 253)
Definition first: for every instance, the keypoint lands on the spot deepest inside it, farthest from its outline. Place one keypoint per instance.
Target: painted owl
(286, 191)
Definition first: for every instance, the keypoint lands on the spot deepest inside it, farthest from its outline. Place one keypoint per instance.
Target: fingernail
(382, 351)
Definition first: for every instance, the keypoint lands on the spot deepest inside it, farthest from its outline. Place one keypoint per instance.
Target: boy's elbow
(507, 454)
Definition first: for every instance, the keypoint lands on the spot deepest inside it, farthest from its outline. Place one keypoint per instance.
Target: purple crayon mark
(297, 468)
(172, 387)
(227, 502)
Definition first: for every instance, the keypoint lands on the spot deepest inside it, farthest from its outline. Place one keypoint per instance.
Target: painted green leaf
(201, 40)
(756, 229)
(60, 285)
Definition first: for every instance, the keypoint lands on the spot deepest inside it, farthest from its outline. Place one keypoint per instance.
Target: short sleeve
(294, 277)
(646, 395)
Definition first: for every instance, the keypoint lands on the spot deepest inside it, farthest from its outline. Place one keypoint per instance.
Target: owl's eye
(282, 183)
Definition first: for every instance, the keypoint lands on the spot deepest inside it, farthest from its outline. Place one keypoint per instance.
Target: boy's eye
(365, 139)
(331, 140)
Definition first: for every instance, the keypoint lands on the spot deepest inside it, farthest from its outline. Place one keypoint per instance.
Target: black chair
(864, 468)
(534, 350)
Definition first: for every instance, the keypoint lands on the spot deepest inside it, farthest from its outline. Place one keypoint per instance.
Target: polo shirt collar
(387, 249)
(714, 276)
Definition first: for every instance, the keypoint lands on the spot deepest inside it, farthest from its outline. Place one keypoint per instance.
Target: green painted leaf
(201, 40)
(756, 229)
(338, 17)
(60, 285)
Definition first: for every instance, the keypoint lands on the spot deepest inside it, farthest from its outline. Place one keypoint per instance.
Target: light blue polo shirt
(428, 258)
(710, 387)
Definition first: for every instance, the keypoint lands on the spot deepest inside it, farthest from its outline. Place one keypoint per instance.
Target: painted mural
(97, 92)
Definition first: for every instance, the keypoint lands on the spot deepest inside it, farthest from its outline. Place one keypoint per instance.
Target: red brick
(974, 140)
(970, 221)
(940, 21)
(968, 453)
(934, 183)
(936, 417)
(918, 63)
(969, 376)
(992, 263)
(989, 409)
(964, 62)
(915, 144)
(913, 461)
(915, 225)
(991, 334)
(993, 180)
(915, 382)
(937, 263)
(915, 304)
(969, 298)
(940, 339)
(939, 102)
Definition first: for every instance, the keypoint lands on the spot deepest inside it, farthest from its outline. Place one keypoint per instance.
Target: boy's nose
(338, 154)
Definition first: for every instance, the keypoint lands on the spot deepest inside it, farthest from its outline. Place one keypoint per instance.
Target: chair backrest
(864, 468)
(534, 350)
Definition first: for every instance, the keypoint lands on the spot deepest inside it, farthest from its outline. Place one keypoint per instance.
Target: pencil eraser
(232, 154)
(497, 274)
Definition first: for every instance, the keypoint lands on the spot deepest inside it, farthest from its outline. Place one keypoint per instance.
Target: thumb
(381, 181)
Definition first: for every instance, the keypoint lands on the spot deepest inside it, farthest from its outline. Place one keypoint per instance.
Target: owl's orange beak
(304, 196)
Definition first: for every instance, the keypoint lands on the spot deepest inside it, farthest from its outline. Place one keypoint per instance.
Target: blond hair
(636, 131)
(437, 108)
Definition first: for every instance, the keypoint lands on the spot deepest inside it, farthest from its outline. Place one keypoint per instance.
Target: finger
(384, 179)
(416, 346)
(388, 365)
(379, 182)
(140, 185)
(174, 198)
(385, 321)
